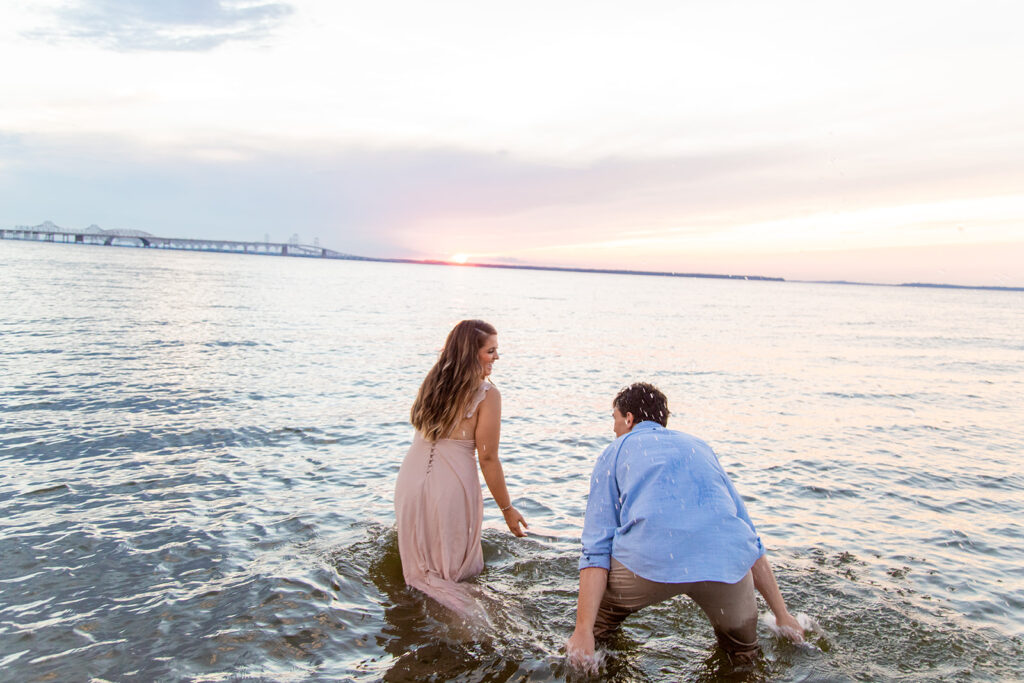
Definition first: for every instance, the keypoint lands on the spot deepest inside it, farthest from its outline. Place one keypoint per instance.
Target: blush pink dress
(439, 511)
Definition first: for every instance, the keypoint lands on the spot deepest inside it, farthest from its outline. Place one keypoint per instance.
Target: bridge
(48, 232)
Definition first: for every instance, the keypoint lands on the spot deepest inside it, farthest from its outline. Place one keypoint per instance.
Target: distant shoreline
(665, 273)
(51, 233)
(919, 285)
(568, 269)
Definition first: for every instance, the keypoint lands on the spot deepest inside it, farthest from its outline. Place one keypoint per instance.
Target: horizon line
(145, 240)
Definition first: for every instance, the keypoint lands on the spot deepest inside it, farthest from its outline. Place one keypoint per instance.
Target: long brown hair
(445, 394)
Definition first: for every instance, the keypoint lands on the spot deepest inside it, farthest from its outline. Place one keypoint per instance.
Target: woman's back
(438, 503)
(439, 512)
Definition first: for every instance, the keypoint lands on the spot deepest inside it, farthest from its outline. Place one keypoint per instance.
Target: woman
(438, 503)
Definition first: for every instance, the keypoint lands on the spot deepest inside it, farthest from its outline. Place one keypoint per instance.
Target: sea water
(198, 453)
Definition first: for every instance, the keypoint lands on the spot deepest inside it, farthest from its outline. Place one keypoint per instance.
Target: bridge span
(49, 232)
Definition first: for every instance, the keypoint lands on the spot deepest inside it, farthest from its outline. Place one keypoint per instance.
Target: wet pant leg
(626, 593)
(730, 607)
(732, 610)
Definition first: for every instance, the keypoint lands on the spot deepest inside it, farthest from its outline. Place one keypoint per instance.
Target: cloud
(167, 25)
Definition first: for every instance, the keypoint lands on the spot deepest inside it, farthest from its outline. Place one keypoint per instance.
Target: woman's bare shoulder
(492, 398)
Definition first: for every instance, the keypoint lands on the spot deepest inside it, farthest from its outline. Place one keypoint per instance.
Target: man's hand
(790, 627)
(579, 650)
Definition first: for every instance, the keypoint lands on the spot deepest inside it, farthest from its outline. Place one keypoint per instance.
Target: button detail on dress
(430, 462)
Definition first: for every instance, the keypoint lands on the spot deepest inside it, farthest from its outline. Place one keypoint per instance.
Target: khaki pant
(731, 607)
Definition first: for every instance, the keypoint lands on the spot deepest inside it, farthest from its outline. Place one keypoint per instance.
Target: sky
(868, 141)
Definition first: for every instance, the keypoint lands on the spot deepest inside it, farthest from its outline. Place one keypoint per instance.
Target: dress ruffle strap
(480, 394)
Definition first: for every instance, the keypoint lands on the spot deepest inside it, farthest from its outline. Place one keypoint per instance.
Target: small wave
(47, 489)
(824, 492)
(229, 343)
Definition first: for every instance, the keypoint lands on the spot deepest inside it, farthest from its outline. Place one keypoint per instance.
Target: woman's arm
(764, 582)
(488, 433)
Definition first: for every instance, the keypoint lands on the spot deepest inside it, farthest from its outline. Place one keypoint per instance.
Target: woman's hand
(514, 519)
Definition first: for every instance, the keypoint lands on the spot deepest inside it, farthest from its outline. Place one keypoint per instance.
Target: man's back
(669, 510)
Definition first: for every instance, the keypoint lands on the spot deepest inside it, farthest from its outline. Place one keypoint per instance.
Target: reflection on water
(199, 453)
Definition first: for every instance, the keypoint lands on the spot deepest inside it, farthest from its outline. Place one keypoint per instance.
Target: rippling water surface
(198, 451)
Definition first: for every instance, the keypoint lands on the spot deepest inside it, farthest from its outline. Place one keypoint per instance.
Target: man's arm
(599, 525)
(580, 647)
(602, 516)
(764, 582)
(764, 578)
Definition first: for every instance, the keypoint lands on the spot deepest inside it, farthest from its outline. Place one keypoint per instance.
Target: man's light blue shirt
(662, 505)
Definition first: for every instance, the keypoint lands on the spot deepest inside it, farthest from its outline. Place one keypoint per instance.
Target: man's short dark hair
(645, 401)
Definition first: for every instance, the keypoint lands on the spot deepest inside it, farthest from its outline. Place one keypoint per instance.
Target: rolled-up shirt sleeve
(602, 518)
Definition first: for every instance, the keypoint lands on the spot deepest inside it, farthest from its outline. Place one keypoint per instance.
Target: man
(664, 519)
